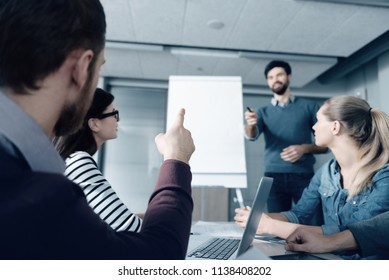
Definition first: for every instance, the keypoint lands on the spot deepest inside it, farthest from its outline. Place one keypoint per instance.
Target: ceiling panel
(261, 23)
(120, 25)
(304, 34)
(196, 65)
(159, 21)
(196, 30)
(311, 35)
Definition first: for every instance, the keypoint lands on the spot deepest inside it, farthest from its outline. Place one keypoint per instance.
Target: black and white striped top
(83, 170)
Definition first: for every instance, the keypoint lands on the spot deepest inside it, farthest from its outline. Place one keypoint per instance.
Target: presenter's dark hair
(83, 139)
(36, 36)
(278, 63)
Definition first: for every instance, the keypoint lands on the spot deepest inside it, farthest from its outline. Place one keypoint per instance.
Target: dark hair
(278, 63)
(83, 139)
(370, 130)
(36, 37)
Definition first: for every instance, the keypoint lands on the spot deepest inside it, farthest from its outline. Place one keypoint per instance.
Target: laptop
(234, 248)
(263, 248)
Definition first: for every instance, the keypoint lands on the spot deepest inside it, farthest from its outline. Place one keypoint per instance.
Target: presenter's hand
(292, 153)
(177, 142)
(251, 118)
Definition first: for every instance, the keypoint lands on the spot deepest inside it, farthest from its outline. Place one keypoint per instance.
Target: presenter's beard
(72, 115)
(282, 89)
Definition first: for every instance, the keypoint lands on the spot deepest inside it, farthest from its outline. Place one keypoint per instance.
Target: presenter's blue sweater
(285, 126)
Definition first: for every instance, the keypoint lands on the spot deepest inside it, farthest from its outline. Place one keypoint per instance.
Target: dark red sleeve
(166, 224)
(169, 215)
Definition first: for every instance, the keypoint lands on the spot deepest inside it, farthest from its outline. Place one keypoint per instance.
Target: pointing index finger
(180, 117)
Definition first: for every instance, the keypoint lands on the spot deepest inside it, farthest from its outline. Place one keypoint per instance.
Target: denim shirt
(338, 211)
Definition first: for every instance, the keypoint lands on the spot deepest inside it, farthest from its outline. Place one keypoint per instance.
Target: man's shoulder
(11, 159)
(304, 100)
(17, 178)
(28, 178)
(8, 149)
(306, 104)
(38, 191)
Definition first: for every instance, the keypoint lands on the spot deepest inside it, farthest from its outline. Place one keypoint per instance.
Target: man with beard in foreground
(287, 127)
(50, 57)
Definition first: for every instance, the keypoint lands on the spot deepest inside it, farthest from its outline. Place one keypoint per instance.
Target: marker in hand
(251, 121)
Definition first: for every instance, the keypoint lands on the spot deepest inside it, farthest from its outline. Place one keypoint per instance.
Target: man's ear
(94, 124)
(80, 73)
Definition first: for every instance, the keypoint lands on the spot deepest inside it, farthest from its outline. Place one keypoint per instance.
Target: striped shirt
(83, 170)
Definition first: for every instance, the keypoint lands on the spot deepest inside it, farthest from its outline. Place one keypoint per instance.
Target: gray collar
(275, 102)
(28, 137)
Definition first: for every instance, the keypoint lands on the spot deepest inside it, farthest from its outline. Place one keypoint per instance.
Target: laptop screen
(257, 210)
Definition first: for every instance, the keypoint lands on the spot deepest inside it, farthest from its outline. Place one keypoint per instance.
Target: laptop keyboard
(217, 248)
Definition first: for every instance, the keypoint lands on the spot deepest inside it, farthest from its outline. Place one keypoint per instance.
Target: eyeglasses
(106, 115)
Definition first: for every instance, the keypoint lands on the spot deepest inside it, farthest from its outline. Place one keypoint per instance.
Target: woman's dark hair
(83, 139)
(37, 36)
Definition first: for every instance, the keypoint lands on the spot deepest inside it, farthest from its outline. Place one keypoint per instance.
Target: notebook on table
(224, 248)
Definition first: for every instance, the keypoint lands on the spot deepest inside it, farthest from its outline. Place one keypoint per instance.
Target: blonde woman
(353, 186)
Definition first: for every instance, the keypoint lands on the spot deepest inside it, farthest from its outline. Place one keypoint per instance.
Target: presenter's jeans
(286, 190)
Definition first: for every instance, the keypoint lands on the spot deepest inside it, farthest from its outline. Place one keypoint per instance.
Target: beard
(72, 115)
(281, 89)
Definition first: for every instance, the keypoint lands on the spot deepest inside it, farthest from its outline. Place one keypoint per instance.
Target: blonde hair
(370, 130)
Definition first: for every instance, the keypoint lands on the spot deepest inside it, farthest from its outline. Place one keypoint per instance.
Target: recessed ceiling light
(215, 24)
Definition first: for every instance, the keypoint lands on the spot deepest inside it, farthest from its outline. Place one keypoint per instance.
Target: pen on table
(249, 109)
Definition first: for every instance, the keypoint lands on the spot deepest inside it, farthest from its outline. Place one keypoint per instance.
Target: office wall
(372, 79)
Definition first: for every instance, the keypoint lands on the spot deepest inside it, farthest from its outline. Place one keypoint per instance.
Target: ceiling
(149, 40)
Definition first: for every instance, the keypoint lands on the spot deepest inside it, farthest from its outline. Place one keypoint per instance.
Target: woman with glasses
(100, 124)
